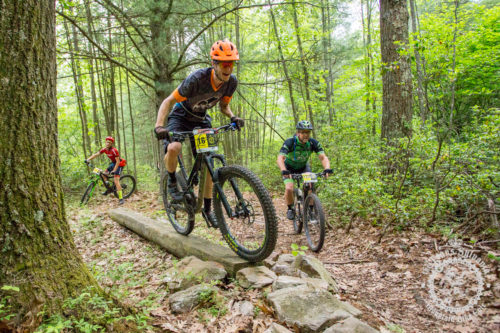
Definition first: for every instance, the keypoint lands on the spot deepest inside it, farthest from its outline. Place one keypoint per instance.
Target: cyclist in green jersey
(294, 156)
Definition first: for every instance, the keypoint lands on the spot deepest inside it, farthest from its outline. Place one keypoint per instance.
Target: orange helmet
(224, 50)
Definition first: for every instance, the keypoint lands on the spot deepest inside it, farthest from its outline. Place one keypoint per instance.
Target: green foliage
(5, 310)
(477, 49)
(88, 313)
(296, 249)
(211, 303)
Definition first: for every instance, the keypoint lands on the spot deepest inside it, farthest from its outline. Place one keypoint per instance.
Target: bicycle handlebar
(217, 130)
(299, 175)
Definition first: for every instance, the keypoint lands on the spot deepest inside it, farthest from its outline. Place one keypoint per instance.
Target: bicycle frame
(205, 162)
(95, 178)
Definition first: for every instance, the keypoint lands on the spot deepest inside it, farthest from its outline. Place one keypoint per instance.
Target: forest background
(117, 60)
(406, 107)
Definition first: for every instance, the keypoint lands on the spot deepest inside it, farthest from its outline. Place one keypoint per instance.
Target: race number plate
(204, 140)
(96, 171)
(309, 177)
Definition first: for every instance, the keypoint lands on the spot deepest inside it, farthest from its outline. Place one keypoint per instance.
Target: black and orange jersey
(197, 93)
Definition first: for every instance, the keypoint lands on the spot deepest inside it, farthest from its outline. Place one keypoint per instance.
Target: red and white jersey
(112, 153)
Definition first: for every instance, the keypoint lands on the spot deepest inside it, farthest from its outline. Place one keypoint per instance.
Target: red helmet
(224, 50)
(110, 138)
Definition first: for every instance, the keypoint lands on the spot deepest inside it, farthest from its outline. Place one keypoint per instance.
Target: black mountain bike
(127, 182)
(308, 209)
(243, 207)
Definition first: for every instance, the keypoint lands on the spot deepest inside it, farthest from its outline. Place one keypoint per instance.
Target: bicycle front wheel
(180, 214)
(251, 229)
(128, 186)
(87, 194)
(314, 222)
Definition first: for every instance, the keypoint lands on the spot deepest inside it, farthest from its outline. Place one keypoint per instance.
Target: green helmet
(304, 125)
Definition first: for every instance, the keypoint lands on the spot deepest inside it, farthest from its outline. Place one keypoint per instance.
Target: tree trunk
(38, 253)
(396, 74)
(418, 65)
(73, 49)
(304, 66)
(325, 19)
(372, 96)
(285, 68)
(97, 129)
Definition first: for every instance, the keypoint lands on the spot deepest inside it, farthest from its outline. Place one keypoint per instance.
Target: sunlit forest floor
(383, 280)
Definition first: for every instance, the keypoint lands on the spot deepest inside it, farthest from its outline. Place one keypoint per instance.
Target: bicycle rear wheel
(128, 186)
(297, 221)
(180, 214)
(314, 222)
(87, 194)
(251, 231)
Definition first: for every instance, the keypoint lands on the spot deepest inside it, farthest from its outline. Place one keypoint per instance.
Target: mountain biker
(187, 107)
(293, 158)
(115, 167)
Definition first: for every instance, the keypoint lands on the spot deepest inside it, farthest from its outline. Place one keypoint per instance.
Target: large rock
(290, 281)
(285, 266)
(351, 325)
(246, 308)
(163, 234)
(186, 300)
(286, 259)
(277, 328)
(312, 310)
(255, 277)
(314, 268)
(191, 271)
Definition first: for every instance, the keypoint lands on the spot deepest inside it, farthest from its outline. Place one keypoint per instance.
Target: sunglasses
(226, 63)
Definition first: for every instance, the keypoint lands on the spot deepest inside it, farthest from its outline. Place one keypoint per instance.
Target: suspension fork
(234, 185)
(215, 178)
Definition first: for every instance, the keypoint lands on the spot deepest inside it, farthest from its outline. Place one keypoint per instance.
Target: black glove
(238, 121)
(285, 172)
(328, 171)
(86, 161)
(161, 132)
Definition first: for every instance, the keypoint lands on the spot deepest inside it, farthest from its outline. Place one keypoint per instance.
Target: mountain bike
(243, 208)
(308, 209)
(127, 182)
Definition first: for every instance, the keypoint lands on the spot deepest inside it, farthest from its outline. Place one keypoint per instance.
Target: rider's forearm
(324, 161)
(117, 163)
(226, 110)
(281, 162)
(164, 110)
(93, 156)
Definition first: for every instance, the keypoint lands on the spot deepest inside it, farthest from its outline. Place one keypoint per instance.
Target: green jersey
(297, 154)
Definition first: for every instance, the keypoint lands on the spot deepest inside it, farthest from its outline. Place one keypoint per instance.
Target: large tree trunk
(38, 253)
(396, 72)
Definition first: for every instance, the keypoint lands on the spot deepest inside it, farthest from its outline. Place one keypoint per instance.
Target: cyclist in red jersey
(115, 167)
(187, 106)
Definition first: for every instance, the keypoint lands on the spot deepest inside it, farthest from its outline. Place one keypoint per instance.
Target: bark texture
(37, 253)
(396, 72)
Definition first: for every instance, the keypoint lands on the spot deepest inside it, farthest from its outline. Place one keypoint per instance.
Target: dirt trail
(383, 280)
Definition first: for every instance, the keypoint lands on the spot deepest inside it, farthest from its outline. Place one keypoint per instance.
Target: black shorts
(180, 124)
(118, 171)
(307, 168)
